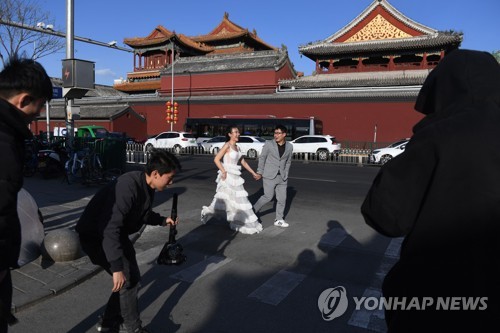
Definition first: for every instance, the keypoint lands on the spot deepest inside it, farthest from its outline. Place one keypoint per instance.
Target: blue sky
(291, 23)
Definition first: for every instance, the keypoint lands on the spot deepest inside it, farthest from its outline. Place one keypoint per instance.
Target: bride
(230, 196)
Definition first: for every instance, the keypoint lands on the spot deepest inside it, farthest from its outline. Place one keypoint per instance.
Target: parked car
(92, 131)
(322, 145)
(382, 155)
(250, 146)
(175, 140)
(207, 144)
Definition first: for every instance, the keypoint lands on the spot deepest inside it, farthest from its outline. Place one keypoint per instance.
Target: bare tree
(24, 42)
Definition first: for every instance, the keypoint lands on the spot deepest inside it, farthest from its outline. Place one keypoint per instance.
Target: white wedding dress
(231, 199)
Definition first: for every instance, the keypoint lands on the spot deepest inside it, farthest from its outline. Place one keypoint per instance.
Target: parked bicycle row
(81, 164)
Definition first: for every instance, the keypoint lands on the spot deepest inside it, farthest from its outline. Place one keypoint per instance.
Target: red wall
(187, 84)
(128, 123)
(354, 121)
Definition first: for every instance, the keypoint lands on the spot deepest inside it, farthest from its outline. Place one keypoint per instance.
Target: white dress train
(231, 199)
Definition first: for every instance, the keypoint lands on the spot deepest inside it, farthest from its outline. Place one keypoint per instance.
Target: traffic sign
(57, 92)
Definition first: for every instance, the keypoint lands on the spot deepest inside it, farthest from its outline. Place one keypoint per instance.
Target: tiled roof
(226, 30)
(158, 36)
(363, 79)
(95, 111)
(98, 91)
(229, 62)
(425, 42)
(144, 74)
(416, 37)
(148, 85)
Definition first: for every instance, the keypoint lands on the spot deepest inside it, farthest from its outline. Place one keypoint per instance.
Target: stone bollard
(61, 245)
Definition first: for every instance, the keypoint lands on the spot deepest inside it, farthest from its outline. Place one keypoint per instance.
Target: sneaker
(281, 223)
(137, 330)
(203, 217)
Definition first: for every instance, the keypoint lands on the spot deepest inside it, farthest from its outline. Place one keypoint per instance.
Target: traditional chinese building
(366, 80)
(380, 39)
(155, 52)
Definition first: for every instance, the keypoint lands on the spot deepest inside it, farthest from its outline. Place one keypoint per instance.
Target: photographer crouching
(116, 211)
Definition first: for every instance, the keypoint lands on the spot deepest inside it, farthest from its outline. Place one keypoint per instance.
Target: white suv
(322, 145)
(382, 155)
(175, 140)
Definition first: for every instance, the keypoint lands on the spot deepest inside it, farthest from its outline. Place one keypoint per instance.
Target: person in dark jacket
(443, 195)
(116, 211)
(25, 87)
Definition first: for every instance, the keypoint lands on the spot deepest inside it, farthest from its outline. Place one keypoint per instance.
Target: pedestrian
(443, 195)
(116, 211)
(230, 198)
(274, 165)
(25, 87)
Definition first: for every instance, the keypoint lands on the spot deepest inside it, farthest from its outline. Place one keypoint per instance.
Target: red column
(391, 62)
(330, 66)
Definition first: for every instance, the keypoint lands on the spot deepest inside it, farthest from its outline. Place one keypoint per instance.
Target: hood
(464, 81)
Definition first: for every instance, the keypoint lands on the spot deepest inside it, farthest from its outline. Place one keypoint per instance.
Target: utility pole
(172, 97)
(70, 27)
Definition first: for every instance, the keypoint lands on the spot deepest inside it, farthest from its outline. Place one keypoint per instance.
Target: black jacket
(443, 194)
(13, 132)
(116, 211)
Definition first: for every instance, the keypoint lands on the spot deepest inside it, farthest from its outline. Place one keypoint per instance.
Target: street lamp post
(172, 95)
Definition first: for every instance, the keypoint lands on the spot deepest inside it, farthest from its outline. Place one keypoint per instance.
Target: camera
(171, 254)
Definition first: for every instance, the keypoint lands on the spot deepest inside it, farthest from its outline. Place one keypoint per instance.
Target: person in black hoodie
(24, 89)
(116, 211)
(443, 195)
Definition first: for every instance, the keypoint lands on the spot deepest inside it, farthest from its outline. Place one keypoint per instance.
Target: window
(245, 140)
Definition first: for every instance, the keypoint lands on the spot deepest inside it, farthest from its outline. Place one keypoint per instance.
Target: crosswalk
(278, 286)
(373, 320)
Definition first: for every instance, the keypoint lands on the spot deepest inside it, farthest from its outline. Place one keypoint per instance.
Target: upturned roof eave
(386, 45)
(361, 79)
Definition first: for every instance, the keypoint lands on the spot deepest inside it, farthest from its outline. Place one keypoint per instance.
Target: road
(269, 282)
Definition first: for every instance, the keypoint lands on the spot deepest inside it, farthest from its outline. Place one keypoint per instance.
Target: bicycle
(92, 169)
(85, 166)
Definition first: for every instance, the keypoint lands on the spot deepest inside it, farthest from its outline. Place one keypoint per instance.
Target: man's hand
(118, 281)
(172, 222)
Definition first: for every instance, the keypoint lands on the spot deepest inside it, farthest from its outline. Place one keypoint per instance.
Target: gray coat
(270, 161)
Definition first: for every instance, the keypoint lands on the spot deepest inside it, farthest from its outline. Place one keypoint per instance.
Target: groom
(274, 164)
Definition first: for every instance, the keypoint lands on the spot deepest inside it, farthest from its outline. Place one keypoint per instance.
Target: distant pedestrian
(25, 87)
(116, 211)
(274, 165)
(231, 199)
(443, 195)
